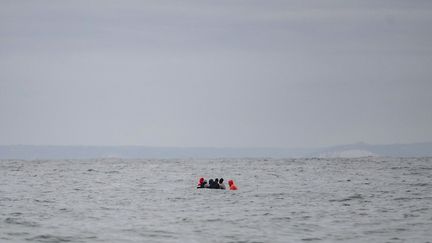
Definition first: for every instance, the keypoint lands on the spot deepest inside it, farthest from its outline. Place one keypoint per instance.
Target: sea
(368, 199)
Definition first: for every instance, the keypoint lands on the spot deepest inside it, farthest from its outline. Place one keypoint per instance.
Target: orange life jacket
(232, 185)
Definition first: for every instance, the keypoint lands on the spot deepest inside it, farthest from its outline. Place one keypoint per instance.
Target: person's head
(201, 180)
(204, 182)
(230, 182)
(221, 180)
(217, 180)
(211, 181)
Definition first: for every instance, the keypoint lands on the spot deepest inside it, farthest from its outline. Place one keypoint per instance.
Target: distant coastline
(29, 152)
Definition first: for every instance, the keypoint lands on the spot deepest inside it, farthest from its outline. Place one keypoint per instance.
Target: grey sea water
(283, 200)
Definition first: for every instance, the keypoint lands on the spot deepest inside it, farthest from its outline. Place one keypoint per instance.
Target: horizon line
(215, 147)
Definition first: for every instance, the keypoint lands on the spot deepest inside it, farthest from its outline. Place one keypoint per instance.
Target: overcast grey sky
(215, 73)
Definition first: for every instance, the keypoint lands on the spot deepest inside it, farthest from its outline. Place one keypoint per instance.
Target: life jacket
(232, 185)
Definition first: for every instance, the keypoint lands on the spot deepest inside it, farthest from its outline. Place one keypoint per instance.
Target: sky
(226, 73)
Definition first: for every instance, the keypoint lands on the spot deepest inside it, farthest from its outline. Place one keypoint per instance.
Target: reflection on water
(311, 200)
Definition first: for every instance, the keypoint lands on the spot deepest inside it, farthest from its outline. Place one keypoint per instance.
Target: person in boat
(232, 185)
(211, 183)
(216, 184)
(221, 184)
(202, 183)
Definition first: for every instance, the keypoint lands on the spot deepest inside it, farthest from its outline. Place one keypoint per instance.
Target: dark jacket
(214, 185)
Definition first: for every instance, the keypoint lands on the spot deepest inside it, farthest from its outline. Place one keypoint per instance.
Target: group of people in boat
(216, 184)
